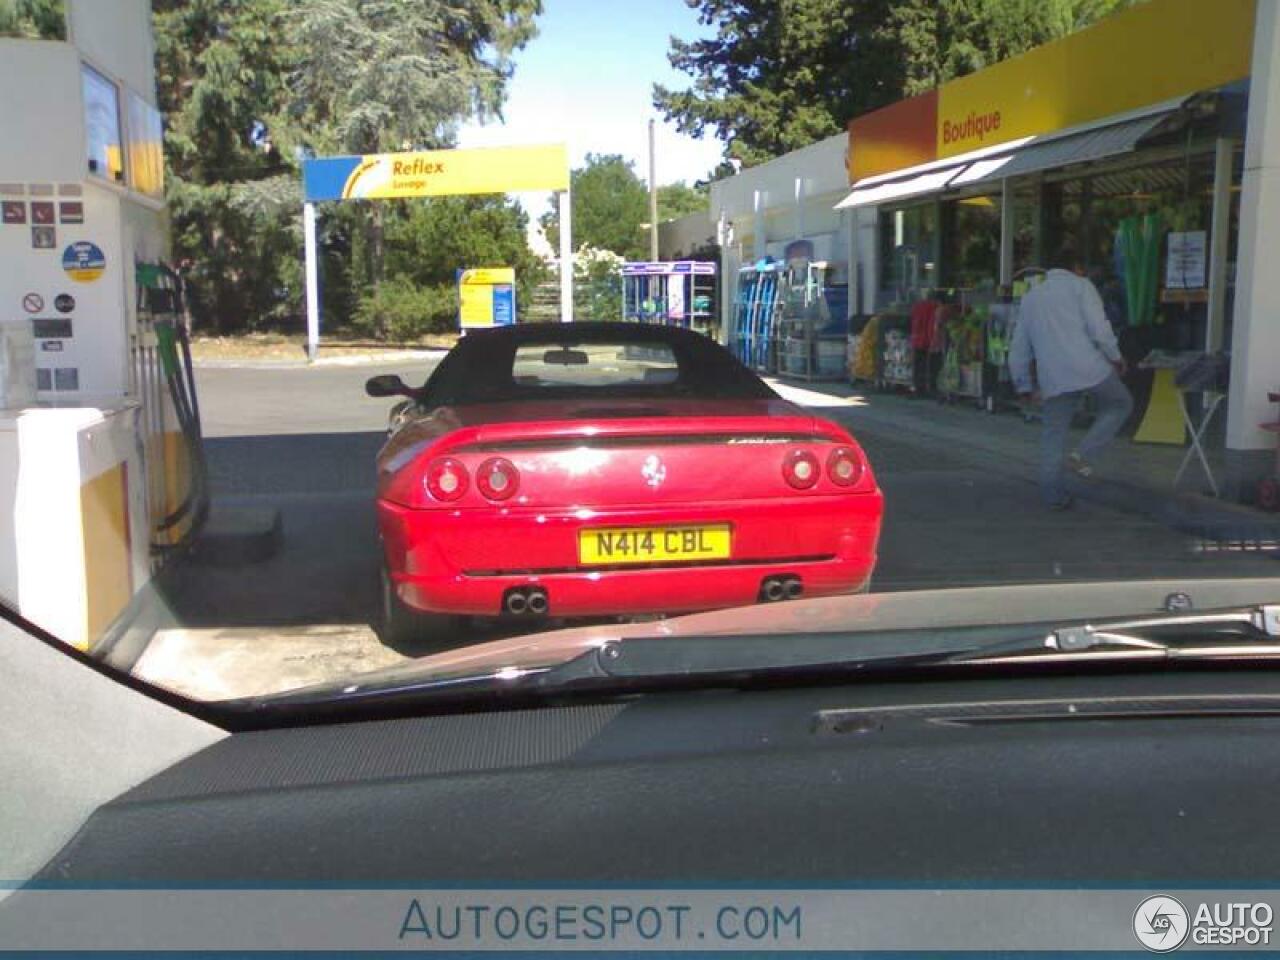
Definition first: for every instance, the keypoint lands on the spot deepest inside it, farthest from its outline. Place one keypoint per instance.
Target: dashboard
(1102, 779)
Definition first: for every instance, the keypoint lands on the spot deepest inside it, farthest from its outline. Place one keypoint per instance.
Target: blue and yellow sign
(83, 261)
(486, 297)
(435, 173)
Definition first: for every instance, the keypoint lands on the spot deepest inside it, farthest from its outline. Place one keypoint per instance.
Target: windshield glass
(349, 340)
(602, 365)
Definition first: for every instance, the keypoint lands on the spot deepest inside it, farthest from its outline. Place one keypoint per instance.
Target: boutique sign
(976, 126)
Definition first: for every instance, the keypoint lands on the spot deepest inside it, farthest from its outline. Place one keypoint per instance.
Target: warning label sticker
(71, 211)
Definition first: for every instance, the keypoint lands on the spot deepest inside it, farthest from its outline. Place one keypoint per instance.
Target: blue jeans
(1114, 404)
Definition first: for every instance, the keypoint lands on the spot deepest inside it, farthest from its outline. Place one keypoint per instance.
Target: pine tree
(780, 74)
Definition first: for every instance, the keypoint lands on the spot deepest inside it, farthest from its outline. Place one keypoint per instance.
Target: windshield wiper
(1244, 633)
(645, 663)
(1247, 632)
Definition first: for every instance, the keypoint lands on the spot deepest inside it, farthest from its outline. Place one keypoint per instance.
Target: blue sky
(586, 80)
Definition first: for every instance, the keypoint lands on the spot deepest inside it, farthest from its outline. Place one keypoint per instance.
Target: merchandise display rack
(805, 351)
(679, 293)
(755, 314)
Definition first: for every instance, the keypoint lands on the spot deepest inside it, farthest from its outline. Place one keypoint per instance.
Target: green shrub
(402, 310)
(597, 284)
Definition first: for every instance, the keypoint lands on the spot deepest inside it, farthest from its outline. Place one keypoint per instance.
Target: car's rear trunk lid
(682, 453)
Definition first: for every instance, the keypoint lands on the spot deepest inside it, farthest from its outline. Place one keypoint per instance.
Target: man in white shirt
(1063, 329)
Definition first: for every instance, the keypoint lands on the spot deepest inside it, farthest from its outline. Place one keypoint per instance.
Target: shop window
(908, 241)
(146, 147)
(971, 242)
(102, 125)
(1026, 214)
(1061, 219)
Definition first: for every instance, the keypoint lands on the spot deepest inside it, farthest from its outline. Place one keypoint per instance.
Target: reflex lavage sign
(1147, 54)
(431, 173)
(486, 297)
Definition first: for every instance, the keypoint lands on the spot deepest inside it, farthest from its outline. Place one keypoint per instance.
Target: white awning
(1053, 154)
(1096, 141)
(911, 186)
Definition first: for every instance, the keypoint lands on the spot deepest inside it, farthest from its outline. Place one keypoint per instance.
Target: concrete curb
(354, 360)
(123, 643)
(1190, 513)
(234, 536)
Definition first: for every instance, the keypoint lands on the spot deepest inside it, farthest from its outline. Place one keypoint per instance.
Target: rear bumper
(464, 561)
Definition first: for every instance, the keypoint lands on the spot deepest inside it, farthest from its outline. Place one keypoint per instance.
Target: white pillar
(849, 226)
(313, 280)
(728, 274)
(799, 200)
(867, 230)
(1218, 228)
(653, 196)
(566, 258)
(758, 240)
(1256, 329)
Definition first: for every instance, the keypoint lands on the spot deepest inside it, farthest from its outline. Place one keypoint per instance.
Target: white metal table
(1212, 400)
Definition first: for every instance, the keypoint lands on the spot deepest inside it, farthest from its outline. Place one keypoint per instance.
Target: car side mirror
(388, 385)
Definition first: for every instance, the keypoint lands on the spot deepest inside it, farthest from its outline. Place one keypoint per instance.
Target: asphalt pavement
(303, 440)
(294, 399)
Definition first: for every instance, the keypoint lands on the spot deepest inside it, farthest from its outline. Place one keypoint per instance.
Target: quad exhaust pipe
(773, 589)
(526, 601)
(538, 601)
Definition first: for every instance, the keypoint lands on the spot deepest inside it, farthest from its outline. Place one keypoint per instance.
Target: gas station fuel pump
(101, 474)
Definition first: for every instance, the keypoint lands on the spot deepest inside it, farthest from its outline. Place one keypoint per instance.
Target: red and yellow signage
(1147, 54)
(901, 135)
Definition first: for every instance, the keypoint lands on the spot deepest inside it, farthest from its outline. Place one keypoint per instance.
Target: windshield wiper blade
(668, 661)
(1250, 631)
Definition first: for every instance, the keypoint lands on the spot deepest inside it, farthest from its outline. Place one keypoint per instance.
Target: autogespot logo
(1160, 923)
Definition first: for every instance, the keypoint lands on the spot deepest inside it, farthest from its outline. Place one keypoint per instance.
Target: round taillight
(498, 479)
(446, 479)
(844, 466)
(800, 468)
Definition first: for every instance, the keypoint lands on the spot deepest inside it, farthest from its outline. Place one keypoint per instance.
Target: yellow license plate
(653, 544)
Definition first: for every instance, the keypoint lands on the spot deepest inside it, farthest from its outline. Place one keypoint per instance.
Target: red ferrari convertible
(610, 468)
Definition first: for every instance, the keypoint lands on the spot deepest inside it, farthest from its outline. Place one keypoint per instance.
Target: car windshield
(349, 344)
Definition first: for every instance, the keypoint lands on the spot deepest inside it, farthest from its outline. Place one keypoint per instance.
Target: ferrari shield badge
(654, 471)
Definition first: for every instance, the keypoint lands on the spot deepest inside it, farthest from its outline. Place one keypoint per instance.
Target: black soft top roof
(588, 332)
(479, 368)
